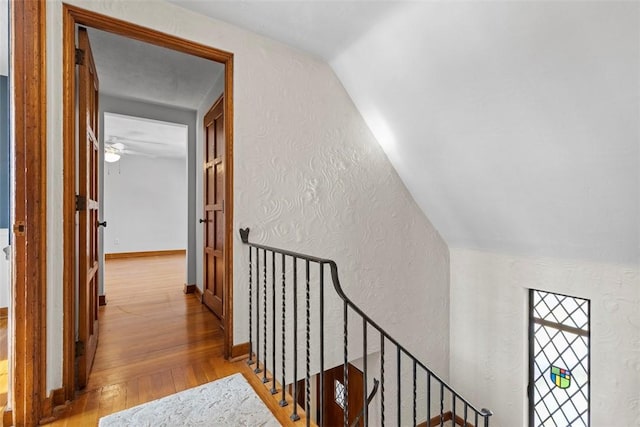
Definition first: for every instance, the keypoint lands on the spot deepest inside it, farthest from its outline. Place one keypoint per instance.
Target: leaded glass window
(559, 360)
(338, 394)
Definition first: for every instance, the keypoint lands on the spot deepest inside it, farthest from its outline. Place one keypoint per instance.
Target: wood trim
(55, 399)
(58, 397)
(73, 16)
(4, 312)
(198, 293)
(447, 416)
(28, 71)
(102, 300)
(120, 255)
(240, 351)
(228, 179)
(68, 206)
(193, 289)
(7, 418)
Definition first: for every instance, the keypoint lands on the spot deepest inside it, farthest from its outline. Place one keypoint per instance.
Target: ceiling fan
(114, 149)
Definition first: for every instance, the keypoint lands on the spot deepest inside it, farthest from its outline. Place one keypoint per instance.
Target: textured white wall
(5, 269)
(309, 176)
(489, 338)
(4, 38)
(145, 204)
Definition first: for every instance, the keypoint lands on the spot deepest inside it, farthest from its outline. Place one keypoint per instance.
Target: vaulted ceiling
(515, 125)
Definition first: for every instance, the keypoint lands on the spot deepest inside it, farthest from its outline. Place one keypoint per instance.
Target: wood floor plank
(154, 341)
(132, 396)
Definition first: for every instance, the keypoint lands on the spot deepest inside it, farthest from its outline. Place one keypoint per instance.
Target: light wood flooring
(4, 347)
(154, 341)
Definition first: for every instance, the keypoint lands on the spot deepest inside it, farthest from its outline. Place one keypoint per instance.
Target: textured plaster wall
(4, 37)
(145, 204)
(309, 176)
(489, 339)
(5, 269)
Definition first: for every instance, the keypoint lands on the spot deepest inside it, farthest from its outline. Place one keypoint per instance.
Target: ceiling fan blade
(139, 153)
(141, 141)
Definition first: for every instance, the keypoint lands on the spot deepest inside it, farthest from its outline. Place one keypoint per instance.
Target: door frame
(29, 216)
(73, 16)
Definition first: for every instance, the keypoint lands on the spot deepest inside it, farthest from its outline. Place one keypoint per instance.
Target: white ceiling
(515, 125)
(151, 138)
(323, 28)
(132, 69)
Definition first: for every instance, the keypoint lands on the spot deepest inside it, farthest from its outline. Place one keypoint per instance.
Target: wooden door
(214, 223)
(87, 209)
(334, 402)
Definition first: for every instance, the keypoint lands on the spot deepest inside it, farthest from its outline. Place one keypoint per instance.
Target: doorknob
(202, 220)
(102, 224)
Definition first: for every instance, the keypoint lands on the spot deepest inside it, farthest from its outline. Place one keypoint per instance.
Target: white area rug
(229, 401)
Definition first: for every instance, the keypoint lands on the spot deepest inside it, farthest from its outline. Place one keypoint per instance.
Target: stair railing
(446, 405)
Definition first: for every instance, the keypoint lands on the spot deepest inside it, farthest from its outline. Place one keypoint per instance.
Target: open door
(87, 209)
(213, 294)
(336, 397)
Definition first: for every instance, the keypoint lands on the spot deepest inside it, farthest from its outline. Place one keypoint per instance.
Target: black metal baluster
(264, 314)
(250, 361)
(255, 349)
(346, 367)
(295, 416)
(453, 410)
(415, 395)
(257, 369)
(308, 345)
(382, 380)
(321, 415)
(441, 404)
(428, 398)
(273, 323)
(283, 401)
(465, 414)
(399, 385)
(364, 368)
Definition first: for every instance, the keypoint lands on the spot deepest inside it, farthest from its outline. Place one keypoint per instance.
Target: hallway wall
(145, 205)
(309, 175)
(489, 330)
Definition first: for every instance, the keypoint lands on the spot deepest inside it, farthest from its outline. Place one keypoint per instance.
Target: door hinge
(19, 228)
(79, 56)
(81, 203)
(79, 348)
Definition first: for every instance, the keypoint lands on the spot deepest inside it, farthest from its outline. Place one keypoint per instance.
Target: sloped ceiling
(515, 125)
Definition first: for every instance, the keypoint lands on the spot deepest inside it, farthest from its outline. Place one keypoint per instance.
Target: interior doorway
(105, 27)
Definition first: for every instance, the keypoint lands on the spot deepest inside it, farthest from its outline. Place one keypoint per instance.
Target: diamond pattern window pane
(559, 362)
(338, 394)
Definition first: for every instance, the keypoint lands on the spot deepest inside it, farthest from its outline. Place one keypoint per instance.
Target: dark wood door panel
(214, 199)
(88, 261)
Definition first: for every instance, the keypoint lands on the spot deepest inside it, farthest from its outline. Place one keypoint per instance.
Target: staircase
(301, 332)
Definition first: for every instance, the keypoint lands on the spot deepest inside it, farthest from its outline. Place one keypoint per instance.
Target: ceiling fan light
(110, 157)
